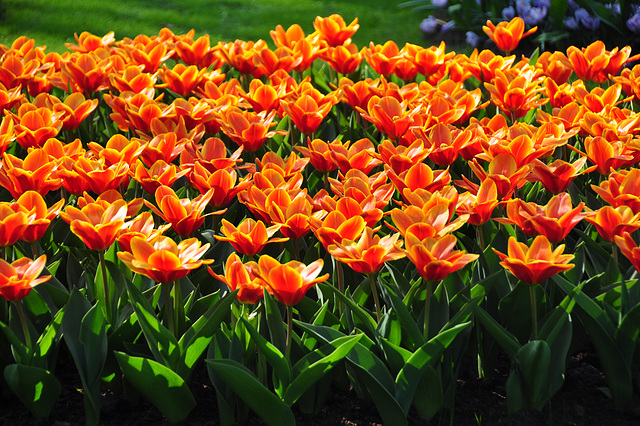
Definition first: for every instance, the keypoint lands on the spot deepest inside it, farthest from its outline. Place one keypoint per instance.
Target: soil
(580, 402)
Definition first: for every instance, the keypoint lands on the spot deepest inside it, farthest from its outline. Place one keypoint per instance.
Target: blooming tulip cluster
(439, 143)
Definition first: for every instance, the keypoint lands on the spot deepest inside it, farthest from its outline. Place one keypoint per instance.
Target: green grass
(53, 22)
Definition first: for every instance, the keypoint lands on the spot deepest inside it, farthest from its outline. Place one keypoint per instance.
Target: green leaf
(196, 339)
(162, 343)
(266, 405)
(36, 387)
(404, 317)
(506, 340)
(276, 325)
(47, 341)
(19, 349)
(281, 368)
(160, 385)
(530, 364)
(307, 374)
(366, 320)
(428, 354)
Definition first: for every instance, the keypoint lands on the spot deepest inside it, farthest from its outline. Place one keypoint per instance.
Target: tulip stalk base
(374, 292)
(534, 312)
(25, 325)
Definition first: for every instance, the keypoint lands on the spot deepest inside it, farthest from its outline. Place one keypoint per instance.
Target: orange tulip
(248, 129)
(359, 156)
(479, 206)
(336, 227)
(88, 42)
(357, 94)
(223, 183)
(334, 30)
(557, 176)
(532, 265)
(263, 97)
(596, 63)
(503, 171)
(390, 116)
(76, 109)
(197, 52)
(344, 59)
(611, 222)
(100, 176)
(507, 35)
(35, 173)
(320, 154)
(184, 215)
(554, 221)
(159, 174)
(182, 79)
(18, 278)
(241, 277)
(240, 55)
(118, 148)
(146, 52)
(13, 221)
(140, 226)
(96, 225)
(621, 189)
(41, 216)
(515, 93)
(629, 249)
(288, 282)
(162, 259)
(166, 147)
(288, 37)
(434, 258)
(609, 155)
(134, 80)
(554, 66)
(421, 176)
(290, 212)
(33, 126)
(250, 237)
(85, 72)
(483, 65)
(369, 252)
(399, 158)
(306, 112)
(382, 58)
(359, 186)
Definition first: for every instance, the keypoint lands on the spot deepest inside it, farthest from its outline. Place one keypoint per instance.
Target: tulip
(532, 265)
(250, 237)
(507, 35)
(13, 221)
(344, 59)
(433, 256)
(88, 42)
(162, 259)
(248, 129)
(159, 174)
(557, 176)
(389, 115)
(515, 93)
(306, 112)
(241, 277)
(18, 278)
(184, 215)
(182, 79)
(360, 155)
(96, 225)
(479, 206)
(369, 252)
(629, 249)
(334, 30)
(76, 109)
(35, 173)
(140, 226)
(596, 63)
(320, 154)
(34, 204)
(611, 222)
(34, 126)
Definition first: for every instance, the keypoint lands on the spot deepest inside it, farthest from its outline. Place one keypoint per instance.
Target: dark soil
(478, 402)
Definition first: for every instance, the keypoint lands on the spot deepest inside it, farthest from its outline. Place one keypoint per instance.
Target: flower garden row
(185, 198)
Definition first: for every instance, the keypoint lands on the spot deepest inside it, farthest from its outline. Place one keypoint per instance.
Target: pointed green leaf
(37, 388)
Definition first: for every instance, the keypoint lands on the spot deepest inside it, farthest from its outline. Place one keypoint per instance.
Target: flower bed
(315, 216)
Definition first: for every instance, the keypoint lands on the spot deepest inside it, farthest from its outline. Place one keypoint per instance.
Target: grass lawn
(53, 22)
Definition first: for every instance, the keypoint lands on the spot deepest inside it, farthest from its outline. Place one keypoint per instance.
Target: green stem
(177, 302)
(427, 308)
(289, 321)
(374, 291)
(534, 311)
(296, 253)
(25, 325)
(340, 273)
(105, 286)
(164, 288)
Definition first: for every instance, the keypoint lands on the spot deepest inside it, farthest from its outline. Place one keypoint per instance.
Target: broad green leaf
(530, 364)
(267, 405)
(276, 325)
(308, 374)
(36, 387)
(366, 320)
(160, 385)
(404, 317)
(428, 354)
(506, 340)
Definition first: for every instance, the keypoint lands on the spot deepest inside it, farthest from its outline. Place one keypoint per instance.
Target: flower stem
(374, 291)
(164, 288)
(177, 305)
(105, 286)
(427, 308)
(340, 273)
(25, 325)
(534, 312)
(289, 321)
(296, 253)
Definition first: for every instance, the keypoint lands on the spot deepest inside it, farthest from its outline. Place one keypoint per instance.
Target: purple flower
(633, 23)
(508, 13)
(572, 4)
(448, 26)
(430, 25)
(542, 3)
(614, 7)
(439, 3)
(535, 15)
(589, 21)
(571, 23)
(523, 6)
(472, 39)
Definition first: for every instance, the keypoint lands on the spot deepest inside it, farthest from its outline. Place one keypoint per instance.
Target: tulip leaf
(274, 321)
(527, 385)
(408, 378)
(47, 341)
(160, 385)
(19, 349)
(36, 387)
(162, 343)
(307, 373)
(281, 368)
(366, 320)
(404, 317)
(627, 333)
(196, 338)
(506, 340)
(267, 406)
(84, 331)
(601, 330)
